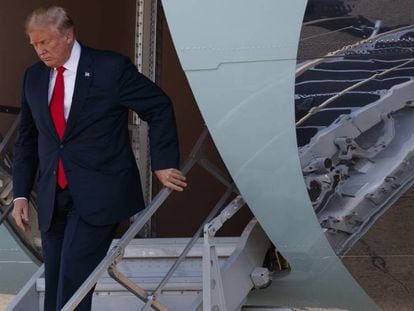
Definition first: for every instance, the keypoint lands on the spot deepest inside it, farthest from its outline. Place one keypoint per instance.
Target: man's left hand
(171, 178)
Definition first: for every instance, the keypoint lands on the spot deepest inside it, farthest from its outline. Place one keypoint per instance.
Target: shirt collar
(73, 61)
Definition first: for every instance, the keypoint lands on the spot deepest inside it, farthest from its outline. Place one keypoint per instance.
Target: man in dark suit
(74, 130)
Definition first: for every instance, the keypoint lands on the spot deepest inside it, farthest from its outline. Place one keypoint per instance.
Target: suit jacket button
(61, 146)
(54, 172)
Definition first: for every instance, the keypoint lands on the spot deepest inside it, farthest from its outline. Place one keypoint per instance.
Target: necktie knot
(60, 69)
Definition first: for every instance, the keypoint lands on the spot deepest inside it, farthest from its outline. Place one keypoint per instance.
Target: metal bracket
(213, 226)
(213, 291)
(349, 148)
(318, 165)
(379, 195)
(346, 224)
(376, 29)
(327, 183)
(134, 288)
(120, 252)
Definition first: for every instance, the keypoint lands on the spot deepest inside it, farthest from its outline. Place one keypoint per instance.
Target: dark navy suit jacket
(102, 174)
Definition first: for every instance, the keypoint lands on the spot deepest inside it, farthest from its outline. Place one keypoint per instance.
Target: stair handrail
(3, 144)
(9, 109)
(115, 254)
(9, 134)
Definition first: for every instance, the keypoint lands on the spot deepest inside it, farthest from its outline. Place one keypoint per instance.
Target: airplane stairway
(173, 273)
(146, 261)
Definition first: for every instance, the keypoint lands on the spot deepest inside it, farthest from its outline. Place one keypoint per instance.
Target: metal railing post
(189, 246)
(213, 291)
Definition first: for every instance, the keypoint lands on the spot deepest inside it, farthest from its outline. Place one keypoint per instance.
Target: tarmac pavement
(383, 260)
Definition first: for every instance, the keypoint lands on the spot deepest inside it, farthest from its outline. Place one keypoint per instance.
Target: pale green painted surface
(240, 57)
(15, 266)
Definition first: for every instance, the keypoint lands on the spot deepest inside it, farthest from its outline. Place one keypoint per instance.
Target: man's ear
(70, 36)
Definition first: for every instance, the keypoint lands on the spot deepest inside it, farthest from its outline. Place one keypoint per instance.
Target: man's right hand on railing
(171, 178)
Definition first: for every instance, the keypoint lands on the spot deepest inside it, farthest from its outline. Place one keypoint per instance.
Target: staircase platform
(146, 262)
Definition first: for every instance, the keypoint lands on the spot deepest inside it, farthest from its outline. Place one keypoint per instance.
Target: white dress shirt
(69, 76)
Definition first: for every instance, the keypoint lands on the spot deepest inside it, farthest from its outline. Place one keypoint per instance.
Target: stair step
(108, 301)
(172, 247)
(107, 284)
(147, 261)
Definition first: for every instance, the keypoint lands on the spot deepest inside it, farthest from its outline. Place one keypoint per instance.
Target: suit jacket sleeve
(141, 95)
(25, 156)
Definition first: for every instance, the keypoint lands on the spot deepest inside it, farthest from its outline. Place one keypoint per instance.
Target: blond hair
(54, 17)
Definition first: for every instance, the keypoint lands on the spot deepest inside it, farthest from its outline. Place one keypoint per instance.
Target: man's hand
(171, 178)
(20, 214)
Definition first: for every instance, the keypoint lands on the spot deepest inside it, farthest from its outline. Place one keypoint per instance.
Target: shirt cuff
(20, 198)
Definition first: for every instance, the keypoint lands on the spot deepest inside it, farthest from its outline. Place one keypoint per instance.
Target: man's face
(52, 47)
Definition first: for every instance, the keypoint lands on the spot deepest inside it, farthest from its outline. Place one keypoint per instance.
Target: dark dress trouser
(72, 249)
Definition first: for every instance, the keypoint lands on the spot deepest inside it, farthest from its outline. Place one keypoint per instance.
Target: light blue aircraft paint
(239, 57)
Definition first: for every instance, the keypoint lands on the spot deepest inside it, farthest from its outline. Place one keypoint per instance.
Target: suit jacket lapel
(82, 83)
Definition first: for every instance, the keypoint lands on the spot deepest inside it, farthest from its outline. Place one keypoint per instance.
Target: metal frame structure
(213, 290)
(30, 241)
(5, 193)
(145, 60)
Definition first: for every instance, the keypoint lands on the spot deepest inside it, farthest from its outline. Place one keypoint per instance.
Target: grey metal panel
(240, 62)
(28, 297)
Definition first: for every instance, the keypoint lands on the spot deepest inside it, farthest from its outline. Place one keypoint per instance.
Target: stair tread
(172, 247)
(146, 262)
(148, 283)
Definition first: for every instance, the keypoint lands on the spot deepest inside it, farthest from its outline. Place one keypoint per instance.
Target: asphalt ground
(383, 260)
(4, 301)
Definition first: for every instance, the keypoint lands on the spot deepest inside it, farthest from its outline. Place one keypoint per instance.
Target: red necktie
(58, 116)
